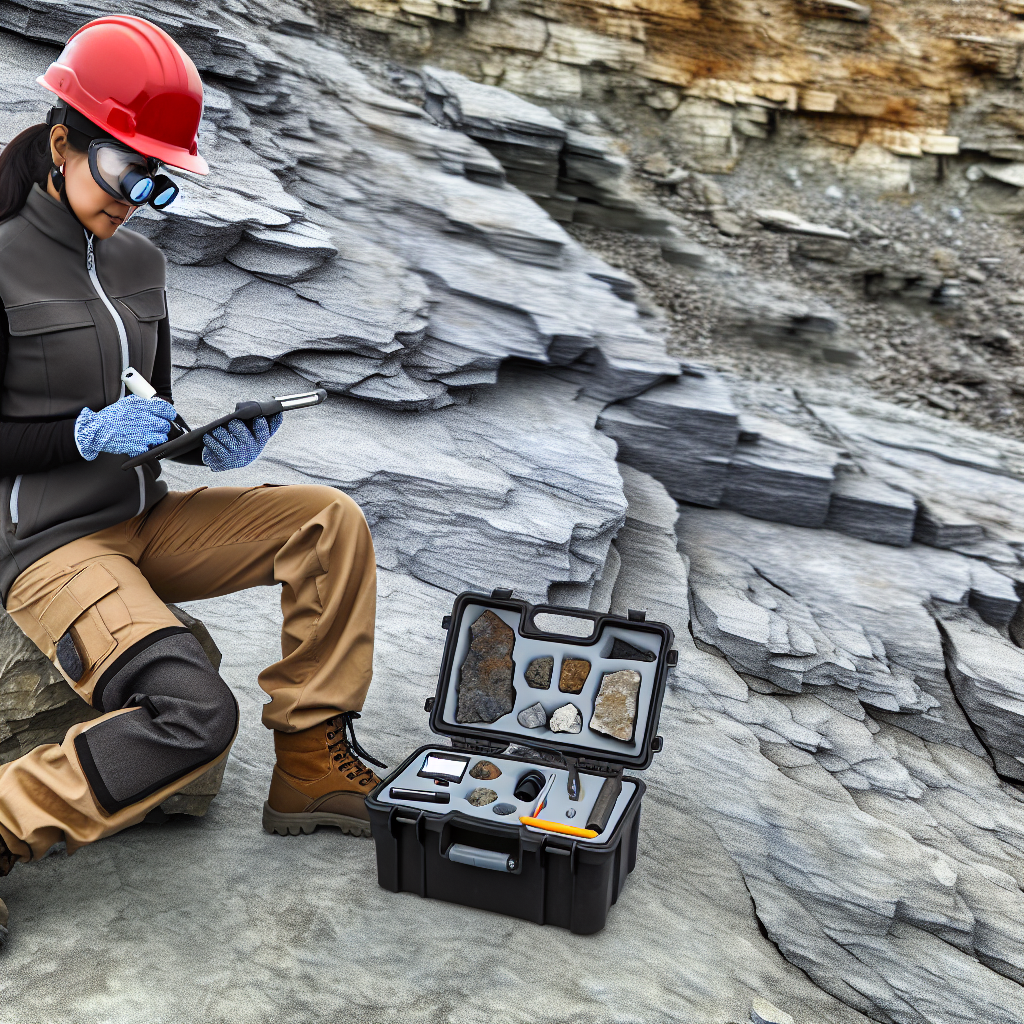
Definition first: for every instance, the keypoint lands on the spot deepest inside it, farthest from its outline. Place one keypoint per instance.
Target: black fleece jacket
(33, 446)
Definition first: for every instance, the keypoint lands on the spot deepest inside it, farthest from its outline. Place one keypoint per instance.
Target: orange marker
(557, 826)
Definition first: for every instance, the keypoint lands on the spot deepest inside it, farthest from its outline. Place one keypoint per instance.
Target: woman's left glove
(235, 445)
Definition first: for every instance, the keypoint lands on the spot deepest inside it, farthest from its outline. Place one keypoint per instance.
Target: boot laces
(346, 751)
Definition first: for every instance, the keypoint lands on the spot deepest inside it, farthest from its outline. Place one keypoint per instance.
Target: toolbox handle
(533, 629)
(492, 860)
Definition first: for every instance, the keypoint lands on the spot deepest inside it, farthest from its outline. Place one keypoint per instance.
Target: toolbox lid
(519, 673)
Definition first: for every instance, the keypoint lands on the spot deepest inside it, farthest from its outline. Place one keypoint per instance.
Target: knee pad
(182, 716)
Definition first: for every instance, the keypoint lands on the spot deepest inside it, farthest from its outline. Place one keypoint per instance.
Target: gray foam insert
(524, 652)
(558, 801)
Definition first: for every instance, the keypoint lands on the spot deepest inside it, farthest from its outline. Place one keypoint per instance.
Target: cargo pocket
(73, 622)
(147, 308)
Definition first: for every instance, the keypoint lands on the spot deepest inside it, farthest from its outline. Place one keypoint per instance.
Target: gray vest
(75, 325)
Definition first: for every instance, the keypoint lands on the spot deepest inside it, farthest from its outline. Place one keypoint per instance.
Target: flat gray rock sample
(780, 473)
(616, 704)
(573, 674)
(533, 717)
(538, 672)
(987, 673)
(482, 796)
(683, 433)
(872, 510)
(486, 692)
(567, 718)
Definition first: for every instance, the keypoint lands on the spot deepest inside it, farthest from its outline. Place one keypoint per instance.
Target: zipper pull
(90, 256)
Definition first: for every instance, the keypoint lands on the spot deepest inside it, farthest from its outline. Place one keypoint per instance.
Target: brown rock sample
(573, 675)
(615, 706)
(538, 672)
(482, 796)
(486, 692)
(484, 770)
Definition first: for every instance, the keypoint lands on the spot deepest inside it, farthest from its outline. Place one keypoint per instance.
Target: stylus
(138, 385)
(557, 826)
(542, 798)
(425, 795)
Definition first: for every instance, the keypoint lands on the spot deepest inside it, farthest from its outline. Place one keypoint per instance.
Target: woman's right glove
(130, 426)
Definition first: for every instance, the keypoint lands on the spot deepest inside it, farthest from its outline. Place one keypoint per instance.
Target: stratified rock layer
(486, 692)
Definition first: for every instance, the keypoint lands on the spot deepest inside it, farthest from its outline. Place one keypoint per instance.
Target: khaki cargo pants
(108, 591)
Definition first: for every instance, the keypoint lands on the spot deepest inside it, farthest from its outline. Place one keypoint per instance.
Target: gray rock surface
(533, 717)
(485, 686)
(538, 672)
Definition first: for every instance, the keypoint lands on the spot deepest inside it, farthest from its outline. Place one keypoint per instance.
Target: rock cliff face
(848, 72)
(835, 824)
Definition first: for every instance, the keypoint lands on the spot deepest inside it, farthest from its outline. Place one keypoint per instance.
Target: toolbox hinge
(636, 616)
(599, 768)
(502, 593)
(475, 746)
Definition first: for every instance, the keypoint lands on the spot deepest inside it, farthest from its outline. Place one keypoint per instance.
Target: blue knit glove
(235, 445)
(130, 426)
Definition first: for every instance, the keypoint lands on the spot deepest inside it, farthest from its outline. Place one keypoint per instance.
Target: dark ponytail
(24, 161)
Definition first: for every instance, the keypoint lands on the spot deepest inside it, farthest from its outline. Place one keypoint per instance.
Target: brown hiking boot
(320, 779)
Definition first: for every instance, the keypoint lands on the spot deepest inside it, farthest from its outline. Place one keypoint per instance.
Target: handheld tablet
(246, 411)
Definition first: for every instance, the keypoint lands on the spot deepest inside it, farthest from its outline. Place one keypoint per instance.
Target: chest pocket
(146, 308)
(53, 363)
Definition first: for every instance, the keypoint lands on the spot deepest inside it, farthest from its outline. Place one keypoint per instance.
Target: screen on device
(441, 766)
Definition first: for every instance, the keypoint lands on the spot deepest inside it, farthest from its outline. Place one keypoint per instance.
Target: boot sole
(279, 823)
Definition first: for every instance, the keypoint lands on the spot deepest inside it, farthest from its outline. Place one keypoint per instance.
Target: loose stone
(486, 692)
(566, 719)
(484, 770)
(615, 707)
(627, 652)
(504, 808)
(538, 673)
(533, 717)
(573, 675)
(482, 796)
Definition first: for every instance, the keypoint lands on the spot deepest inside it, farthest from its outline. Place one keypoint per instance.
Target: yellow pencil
(557, 826)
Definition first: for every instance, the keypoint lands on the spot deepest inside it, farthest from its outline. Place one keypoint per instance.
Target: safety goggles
(129, 176)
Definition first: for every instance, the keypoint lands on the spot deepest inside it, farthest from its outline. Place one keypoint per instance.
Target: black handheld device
(246, 411)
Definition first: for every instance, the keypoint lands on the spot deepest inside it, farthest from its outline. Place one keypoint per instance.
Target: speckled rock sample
(484, 770)
(486, 692)
(504, 809)
(627, 652)
(567, 718)
(573, 675)
(533, 717)
(615, 707)
(482, 796)
(538, 672)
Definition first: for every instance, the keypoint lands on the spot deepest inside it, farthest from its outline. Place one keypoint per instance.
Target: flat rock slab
(573, 675)
(615, 706)
(486, 692)
(538, 672)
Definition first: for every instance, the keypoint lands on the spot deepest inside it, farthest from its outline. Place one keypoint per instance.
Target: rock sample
(567, 718)
(486, 692)
(616, 703)
(484, 770)
(538, 672)
(573, 675)
(627, 652)
(533, 717)
(482, 796)
(504, 809)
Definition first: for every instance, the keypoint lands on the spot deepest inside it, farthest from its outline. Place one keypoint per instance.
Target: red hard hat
(134, 81)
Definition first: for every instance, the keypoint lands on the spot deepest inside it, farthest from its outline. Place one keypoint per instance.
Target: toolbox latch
(561, 851)
(673, 658)
(502, 593)
(658, 744)
(636, 616)
(428, 704)
(446, 622)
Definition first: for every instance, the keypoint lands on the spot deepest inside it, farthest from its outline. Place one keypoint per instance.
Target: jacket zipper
(14, 499)
(122, 334)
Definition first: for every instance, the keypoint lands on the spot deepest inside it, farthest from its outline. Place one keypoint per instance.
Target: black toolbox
(584, 707)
